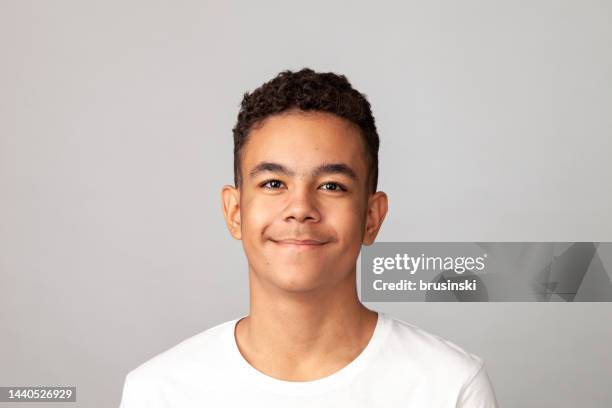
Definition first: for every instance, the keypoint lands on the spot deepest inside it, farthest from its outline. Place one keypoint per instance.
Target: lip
(299, 243)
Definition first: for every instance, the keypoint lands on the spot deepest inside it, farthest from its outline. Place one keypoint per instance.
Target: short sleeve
(127, 394)
(477, 392)
(136, 394)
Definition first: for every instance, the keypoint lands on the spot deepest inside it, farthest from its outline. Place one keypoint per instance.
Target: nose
(302, 206)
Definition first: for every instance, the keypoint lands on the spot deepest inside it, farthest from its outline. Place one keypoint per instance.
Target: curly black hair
(307, 90)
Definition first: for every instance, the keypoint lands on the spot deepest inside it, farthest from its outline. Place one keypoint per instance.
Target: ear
(230, 199)
(377, 210)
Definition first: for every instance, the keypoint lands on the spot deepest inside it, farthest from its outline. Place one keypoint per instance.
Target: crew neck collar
(250, 375)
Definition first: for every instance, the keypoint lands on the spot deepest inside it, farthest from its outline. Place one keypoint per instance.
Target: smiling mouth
(299, 243)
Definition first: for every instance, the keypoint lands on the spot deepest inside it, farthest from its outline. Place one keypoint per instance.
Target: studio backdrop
(115, 140)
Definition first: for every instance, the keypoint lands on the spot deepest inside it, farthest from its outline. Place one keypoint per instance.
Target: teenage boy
(303, 203)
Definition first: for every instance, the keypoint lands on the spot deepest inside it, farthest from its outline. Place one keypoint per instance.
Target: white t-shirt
(402, 366)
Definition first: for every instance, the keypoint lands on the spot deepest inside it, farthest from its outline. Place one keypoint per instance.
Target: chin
(298, 281)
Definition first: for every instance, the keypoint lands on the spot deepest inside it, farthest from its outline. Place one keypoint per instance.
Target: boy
(304, 200)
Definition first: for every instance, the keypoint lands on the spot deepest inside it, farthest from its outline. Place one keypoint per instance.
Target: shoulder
(196, 355)
(430, 353)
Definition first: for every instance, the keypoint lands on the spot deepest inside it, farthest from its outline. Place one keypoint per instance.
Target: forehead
(304, 140)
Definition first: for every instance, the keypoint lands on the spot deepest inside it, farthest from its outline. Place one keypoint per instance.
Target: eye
(272, 184)
(331, 186)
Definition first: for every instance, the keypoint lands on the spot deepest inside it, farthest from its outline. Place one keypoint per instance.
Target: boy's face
(303, 210)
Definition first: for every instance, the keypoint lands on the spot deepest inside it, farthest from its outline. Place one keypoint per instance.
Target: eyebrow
(326, 168)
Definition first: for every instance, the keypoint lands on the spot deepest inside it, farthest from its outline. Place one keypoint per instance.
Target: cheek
(349, 223)
(254, 221)
(256, 218)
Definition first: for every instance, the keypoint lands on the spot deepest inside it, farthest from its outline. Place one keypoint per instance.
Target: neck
(300, 336)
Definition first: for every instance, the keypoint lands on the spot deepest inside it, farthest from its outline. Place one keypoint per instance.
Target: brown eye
(330, 186)
(272, 184)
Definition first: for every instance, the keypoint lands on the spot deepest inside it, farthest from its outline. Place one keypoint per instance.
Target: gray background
(115, 140)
